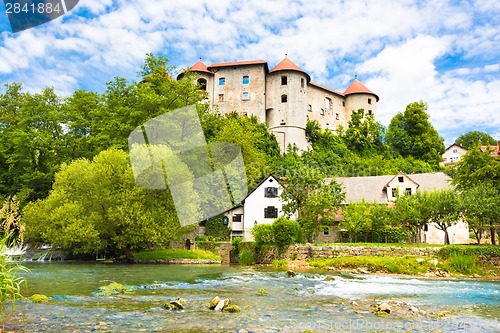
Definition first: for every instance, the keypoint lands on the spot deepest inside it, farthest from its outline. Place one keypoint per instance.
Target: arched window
(202, 83)
(284, 99)
(302, 83)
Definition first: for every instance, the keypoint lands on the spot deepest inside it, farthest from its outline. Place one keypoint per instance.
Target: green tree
(411, 134)
(96, 206)
(444, 209)
(362, 133)
(473, 139)
(357, 219)
(413, 213)
(476, 167)
(480, 208)
(285, 233)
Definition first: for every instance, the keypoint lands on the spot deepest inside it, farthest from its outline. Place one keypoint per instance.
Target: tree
(96, 206)
(412, 212)
(476, 167)
(357, 219)
(474, 139)
(480, 208)
(363, 132)
(411, 134)
(444, 209)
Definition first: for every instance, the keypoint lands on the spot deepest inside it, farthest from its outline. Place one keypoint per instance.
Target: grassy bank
(175, 254)
(454, 264)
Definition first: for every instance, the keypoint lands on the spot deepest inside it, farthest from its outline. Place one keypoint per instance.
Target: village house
(284, 97)
(263, 205)
(385, 189)
(453, 154)
(493, 150)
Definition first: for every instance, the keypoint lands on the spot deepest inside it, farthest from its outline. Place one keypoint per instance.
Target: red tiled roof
(239, 63)
(287, 65)
(199, 67)
(357, 87)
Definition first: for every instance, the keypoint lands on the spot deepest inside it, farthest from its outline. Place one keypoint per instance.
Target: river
(304, 302)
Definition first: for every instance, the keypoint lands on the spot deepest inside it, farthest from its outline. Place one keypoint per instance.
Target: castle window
(343, 103)
(309, 107)
(284, 80)
(322, 112)
(370, 112)
(337, 116)
(369, 101)
(302, 83)
(328, 103)
(246, 79)
(221, 97)
(246, 96)
(284, 98)
(202, 83)
(222, 81)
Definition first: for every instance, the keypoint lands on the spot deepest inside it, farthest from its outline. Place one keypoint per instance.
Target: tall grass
(247, 257)
(176, 254)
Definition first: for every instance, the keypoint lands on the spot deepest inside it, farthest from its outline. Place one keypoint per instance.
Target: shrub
(285, 232)
(262, 234)
(247, 258)
(280, 263)
(460, 263)
(216, 229)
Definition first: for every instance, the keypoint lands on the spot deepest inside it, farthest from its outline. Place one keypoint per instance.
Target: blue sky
(445, 53)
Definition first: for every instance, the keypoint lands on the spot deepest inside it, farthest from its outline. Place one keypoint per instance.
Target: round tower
(204, 78)
(358, 96)
(286, 104)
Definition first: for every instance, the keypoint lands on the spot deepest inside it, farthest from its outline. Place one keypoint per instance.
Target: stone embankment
(179, 261)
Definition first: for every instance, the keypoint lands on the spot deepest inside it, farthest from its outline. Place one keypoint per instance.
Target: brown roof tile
(200, 67)
(287, 65)
(357, 87)
(238, 63)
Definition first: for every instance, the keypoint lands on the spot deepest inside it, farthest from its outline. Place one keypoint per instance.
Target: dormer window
(401, 179)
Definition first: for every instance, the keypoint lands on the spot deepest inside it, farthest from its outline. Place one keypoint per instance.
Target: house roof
(239, 63)
(317, 85)
(373, 188)
(494, 150)
(457, 145)
(200, 67)
(357, 87)
(287, 65)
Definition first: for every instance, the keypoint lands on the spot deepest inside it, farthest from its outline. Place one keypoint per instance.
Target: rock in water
(214, 302)
(232, 308)
(219, 306)
(262, 292)
(290, 274)
(414, 310)
(329, 278)
(384, 307)
(177, 305)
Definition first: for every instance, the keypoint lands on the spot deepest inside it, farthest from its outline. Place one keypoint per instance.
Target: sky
(445, 53)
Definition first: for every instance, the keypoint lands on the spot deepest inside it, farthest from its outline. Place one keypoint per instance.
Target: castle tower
(357, 96)
(205, 79)
(286, 103)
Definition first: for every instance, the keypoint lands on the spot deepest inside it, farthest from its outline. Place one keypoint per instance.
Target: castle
(283, 97)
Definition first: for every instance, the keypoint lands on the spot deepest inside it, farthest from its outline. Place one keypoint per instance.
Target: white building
(261, 206)
(453, 154)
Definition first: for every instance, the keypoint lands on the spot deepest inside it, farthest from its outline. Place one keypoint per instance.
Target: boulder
(262, 292)
(414, 310)
(222, 304)
(177, 305)
(290, 274)
(384, 307)
(39, 298)
(434, 261)
(329, 278)
(231, 308)
(214, 302)
(420, 260)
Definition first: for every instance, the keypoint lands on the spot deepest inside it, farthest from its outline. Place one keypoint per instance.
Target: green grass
(247, 258)
(280, 263)
(176, 254)
(395, 265)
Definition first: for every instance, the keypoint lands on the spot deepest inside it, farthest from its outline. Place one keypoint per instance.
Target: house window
(322, 112)
(426, 227)
(284, 80)
(369, 101)
(246, 79)
(284, 98)
(221, 97)
(309, 107)
(328, 103)
(270, 212)
(222, 81)
(408, 190)
(337, 116)
(246, 96)
(401, 179)
(237, 217)
(271, 192)
(326, 231)
(202, 83)
(393, 192)
(302, 83)
(455, 151)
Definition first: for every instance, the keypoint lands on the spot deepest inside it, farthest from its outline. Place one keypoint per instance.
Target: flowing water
(306, 301)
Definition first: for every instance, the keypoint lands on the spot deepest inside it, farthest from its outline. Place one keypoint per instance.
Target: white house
(453, 154)
(384, 189)
(261, 206)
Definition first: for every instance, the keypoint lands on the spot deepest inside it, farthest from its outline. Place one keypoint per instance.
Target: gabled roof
(456, 144)
(317, 85)
(400, 173)
(287, 65)
(357, 87)
(239, 63)
(200, 67)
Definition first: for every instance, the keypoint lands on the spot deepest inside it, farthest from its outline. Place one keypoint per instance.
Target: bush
(263, 234)
(216, 229)
(280, 263)
(247, 258)
(285, 233)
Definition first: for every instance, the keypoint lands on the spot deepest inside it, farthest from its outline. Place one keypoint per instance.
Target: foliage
(444, 209)
(215, 227)
(476, 167)
(247, 257)
(39, 298)
(412, 212)
(285, 233)
(363, 132)
(411, 134)
(280, 263)
(10, 280)
(474, 139)
(370, 221)
(96, 206)
(175, 254)
(10, 221)
(263, 234)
